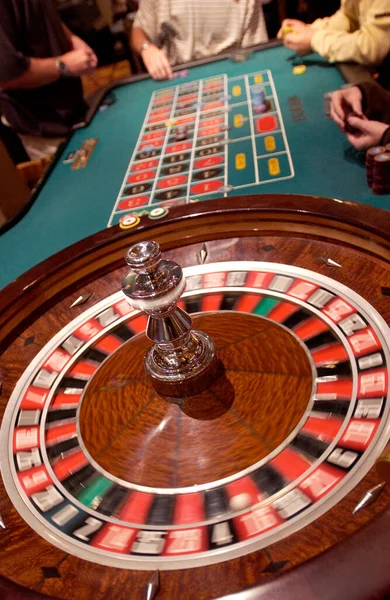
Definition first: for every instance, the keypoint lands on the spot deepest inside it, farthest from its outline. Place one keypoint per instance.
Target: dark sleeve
(385, 138)
(376, 101)
(12, 62)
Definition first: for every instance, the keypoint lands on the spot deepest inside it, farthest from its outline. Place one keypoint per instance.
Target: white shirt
(192, 29)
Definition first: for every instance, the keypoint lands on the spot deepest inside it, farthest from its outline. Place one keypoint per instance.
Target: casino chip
(299, 69)
(181, 133)
(327, 104)
(260, 108)
(179, 74)
(381, 175)
(370, 155)
(378, 169)
(224, 189)
(148, 148)
(158, 213)
(258, 99)
(128, 221)
(285, 30)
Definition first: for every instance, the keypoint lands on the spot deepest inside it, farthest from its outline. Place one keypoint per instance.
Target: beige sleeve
(340, 21)
(368, 45)
(146, 20)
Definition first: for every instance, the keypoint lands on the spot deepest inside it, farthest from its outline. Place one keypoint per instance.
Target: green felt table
(299, 151)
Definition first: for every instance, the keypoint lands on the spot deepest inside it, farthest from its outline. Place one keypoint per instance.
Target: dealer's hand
(365, 133)
(156, 63)
(79, 44)
(344, 102)
(78, 62)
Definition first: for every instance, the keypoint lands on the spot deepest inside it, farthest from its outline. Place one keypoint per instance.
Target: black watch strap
(61, 66)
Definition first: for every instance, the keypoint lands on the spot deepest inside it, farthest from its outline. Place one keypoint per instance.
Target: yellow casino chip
(128, 221)
(287, 29)
(299, 70)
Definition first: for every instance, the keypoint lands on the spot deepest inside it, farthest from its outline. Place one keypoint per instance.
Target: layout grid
(202, 139)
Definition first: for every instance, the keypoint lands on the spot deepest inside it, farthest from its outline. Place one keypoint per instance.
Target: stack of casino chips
(378, 169)
(258, 99)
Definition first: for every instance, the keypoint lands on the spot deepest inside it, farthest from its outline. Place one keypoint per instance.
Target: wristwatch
(61, 67)
(143, 46)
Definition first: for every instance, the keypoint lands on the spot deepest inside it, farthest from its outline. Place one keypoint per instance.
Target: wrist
(315, 41)
(310, 35)
(362, 97)
(144, 46)
(61, 67)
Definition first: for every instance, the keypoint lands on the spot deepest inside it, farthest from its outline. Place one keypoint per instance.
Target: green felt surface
(74, 204)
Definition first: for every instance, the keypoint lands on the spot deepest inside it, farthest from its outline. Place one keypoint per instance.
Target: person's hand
(299, 41)
(365, 133)
(79, 44)
(343, 102)
(156, 63)
(78, 62)
(293, 23)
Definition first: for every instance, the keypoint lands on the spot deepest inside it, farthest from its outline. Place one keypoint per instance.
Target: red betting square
(267, 123)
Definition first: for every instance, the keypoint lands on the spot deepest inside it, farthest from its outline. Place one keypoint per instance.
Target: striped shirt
(191, 29)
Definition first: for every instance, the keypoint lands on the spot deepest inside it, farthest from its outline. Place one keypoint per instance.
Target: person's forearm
(68, 32)
(41, 71)
(138, 37)
(338, 22)
(369, 45)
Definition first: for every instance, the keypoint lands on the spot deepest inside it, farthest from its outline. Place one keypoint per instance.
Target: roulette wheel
(261, 480)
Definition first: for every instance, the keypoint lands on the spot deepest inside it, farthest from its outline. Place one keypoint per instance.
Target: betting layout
(74, 501)
(203, 139)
